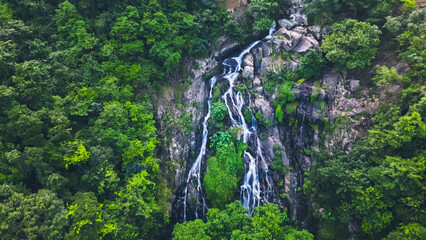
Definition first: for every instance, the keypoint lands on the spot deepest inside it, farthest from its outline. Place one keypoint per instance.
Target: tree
(352, 45)
(225, 169)
(86, 216)
(386, 76)
(39, 215)
(311, 65)
(233, 222)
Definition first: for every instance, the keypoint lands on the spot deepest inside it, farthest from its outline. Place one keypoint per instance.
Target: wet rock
(353, 85)
(226, 45)
(285, 23)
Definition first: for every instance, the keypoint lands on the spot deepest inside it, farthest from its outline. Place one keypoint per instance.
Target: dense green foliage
(77, 129)
(311, 65)
(78, 86)
(267, 222)
(224, 169)
(219, 111)
(352, 45)
(380, 182)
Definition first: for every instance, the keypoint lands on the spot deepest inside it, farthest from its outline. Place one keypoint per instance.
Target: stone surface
(248, 72)
(285, 23)
(248, 60)
(353, 85)
(267, 48)
(305, 44)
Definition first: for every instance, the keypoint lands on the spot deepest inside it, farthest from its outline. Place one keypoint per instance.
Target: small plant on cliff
(279, 114)
(219, 111)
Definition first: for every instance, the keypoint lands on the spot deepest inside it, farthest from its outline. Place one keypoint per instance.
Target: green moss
(291, 107)
(279, 114)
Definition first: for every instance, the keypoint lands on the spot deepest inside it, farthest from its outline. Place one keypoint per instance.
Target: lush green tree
(233, 222)
(225, 169)
(311, 65)
(86, 216)
(352, 45)
(387, 76)
(39, 215)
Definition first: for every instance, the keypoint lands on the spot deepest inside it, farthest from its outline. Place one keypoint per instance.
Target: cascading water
(196, 167)
(251, 188)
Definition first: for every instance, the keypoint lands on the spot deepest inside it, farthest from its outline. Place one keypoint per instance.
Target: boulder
(305, 44)
(353, 85)
(300, 19)
(256, 82)
(248, 60)
(248, 72)
(264, 106)
(293, 66)
(226, 45)
(285, 23)
(300, 29)
(267, 64)
(267, 48)
(285, 39)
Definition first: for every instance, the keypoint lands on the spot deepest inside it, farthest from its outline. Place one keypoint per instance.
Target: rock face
(333, 100)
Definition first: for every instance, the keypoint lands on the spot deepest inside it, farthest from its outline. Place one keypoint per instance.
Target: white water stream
(250, 195)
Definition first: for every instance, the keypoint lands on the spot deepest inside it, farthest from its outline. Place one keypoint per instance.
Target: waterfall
(250, 195)
(196, 167)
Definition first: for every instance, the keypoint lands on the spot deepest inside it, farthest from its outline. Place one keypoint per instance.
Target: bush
(291, 107)
(219, 110)
(311, 65)
(279, 114)
(387, 76)
(224, 169)
(285, 94)
(352, 45)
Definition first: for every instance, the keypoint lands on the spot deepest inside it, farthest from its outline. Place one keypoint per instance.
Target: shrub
(387, 76)
(279, 114)
(352, 45)
(311, 65)
(219, 110)
(224, 169)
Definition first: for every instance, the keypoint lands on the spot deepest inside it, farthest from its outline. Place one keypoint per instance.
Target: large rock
(226, 45)
(248, 72)
(285, 39)
(305, 44)
(267, 48)
(257, 86)
(248, 60)
(264, 106)
(285, 23)
(353, 85)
